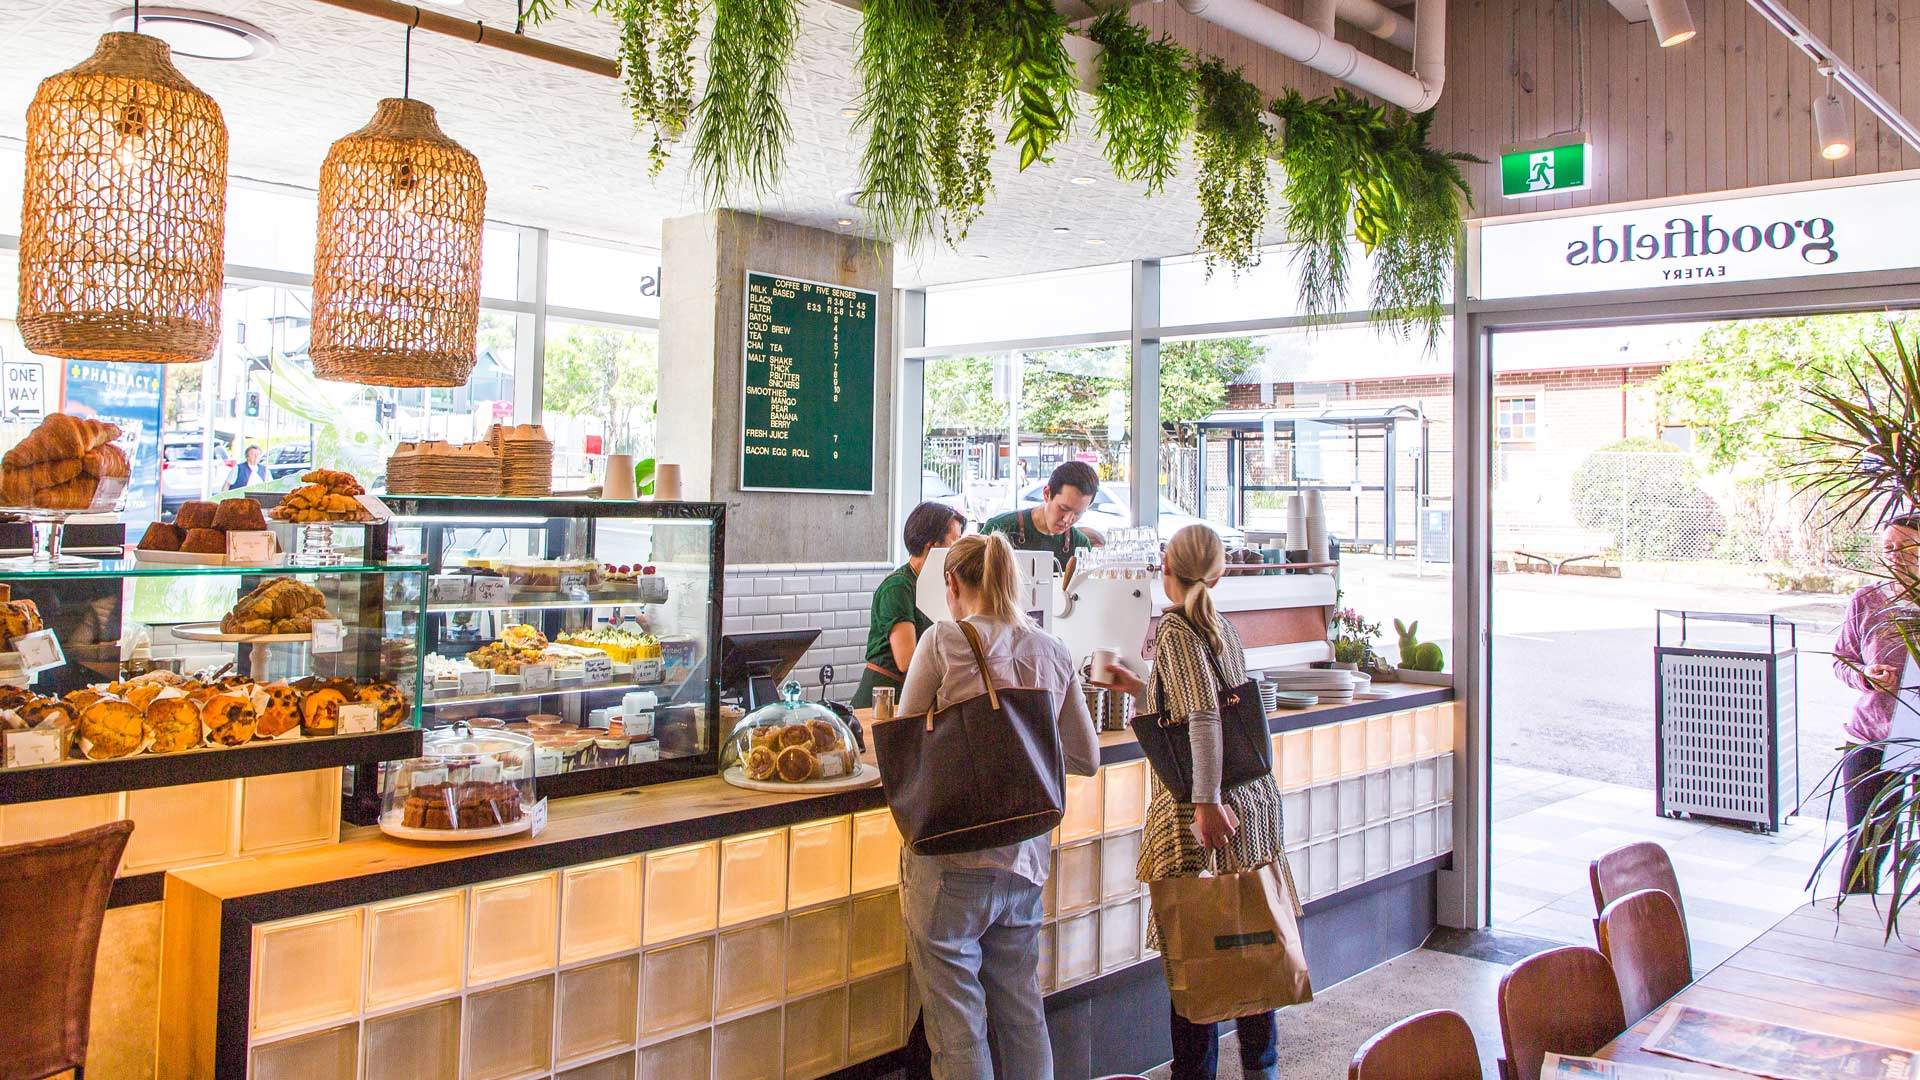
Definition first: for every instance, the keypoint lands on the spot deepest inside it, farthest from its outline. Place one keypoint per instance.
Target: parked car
(290, 459)
(185, 471)
(1111, 510)
(934, 488)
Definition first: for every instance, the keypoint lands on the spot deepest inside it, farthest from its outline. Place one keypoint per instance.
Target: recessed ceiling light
(981, 258)
(1095, 241)
(850, 111)
(536, 187)
(1061, 229)
(843, 221)
(1083, 181)
(848, 196)
(201, 34)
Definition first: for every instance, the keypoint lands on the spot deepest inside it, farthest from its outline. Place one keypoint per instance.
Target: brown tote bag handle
(980, 659)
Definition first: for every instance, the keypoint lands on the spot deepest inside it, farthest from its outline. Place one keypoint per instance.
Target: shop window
(1516, 420)
(603, 277)
(597, 397)
(1088, 301)
(998, 424)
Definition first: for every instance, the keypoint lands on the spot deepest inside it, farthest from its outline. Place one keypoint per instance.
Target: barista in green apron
(1049, 526)
(895, 624)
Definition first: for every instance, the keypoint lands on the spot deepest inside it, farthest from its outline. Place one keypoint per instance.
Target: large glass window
(997, 424)
(599, 390)
(1090, 301)
(603, 277)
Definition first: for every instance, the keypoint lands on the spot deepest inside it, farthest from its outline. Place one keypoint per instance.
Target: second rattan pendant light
(396, 266)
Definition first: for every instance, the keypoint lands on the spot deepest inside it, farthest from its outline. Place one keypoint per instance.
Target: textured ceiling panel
(534, 126)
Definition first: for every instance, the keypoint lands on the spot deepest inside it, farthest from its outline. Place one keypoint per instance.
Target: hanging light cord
(406, 63)
(136, 16)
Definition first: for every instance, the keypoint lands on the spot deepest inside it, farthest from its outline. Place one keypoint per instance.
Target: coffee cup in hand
(1104, 661)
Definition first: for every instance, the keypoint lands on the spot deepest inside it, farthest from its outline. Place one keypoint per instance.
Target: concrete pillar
(704, 262)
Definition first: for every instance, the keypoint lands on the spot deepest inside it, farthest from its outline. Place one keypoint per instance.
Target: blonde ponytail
(1196, 558)
(984, 564)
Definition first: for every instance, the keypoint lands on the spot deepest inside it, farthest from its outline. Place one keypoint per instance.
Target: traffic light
(253, 403)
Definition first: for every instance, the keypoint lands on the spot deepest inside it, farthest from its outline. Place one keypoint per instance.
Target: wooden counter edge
(189, 980)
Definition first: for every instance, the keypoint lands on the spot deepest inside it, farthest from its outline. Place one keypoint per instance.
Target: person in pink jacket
(1870, 656)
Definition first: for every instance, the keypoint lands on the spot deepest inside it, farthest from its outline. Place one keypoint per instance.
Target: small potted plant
(1353, 639)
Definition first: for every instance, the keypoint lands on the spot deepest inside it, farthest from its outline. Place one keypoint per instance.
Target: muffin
(174, 725)
(281, 713)
(229, 719)
(111, 729)
(242, 514)
(320, 712)
(195, 514)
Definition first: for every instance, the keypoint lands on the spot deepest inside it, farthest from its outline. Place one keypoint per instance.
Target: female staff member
(973, 919)
(1244, 819)
(1870, 656)
(895, 624)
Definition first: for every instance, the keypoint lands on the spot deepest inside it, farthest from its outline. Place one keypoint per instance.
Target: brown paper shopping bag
(1231, 943)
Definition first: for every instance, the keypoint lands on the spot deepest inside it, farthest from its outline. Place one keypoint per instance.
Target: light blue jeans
(973, 937)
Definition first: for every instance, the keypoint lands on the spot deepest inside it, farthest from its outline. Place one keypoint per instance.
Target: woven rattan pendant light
(396, 267)
(123, 212)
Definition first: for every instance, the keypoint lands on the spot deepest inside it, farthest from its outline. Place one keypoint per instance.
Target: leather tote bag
(978, 774)
(1246, 749)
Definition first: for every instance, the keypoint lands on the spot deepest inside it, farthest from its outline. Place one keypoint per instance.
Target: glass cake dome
(791, 741)
(466, 783)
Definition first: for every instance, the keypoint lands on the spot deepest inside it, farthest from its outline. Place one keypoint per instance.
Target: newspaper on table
(1772, 1050)
(1563, 1067)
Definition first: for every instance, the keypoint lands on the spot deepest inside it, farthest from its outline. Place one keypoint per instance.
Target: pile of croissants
(67, 463)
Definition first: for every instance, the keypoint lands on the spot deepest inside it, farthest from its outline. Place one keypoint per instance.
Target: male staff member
(1050, 526)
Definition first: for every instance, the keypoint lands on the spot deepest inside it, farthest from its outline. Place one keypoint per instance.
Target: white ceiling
(537, 126)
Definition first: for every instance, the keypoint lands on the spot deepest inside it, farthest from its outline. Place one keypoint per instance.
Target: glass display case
(120, 673)
(584, 625)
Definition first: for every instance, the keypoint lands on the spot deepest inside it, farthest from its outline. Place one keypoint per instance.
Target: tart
(320, 712)
(824, 737)
(759, 763)
(281, 713)
(795, 763)
(229, 719)
(111, 729)
(174, 725)
(795, 735)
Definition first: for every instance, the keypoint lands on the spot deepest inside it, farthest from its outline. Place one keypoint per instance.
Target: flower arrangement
(1353, 638)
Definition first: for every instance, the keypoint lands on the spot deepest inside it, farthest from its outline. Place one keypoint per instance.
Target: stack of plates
(1267, 694)
(1330, 685)
(442, 468)
(1293, 699)
(526, 460)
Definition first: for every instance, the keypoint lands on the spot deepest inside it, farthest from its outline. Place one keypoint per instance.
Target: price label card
(39, 650)
(40, 746)
(573, 583)
(537, 676)
(475, 682)
(449, 588)
(489, 590)
(358, 718)
(599, 669)
(249, 547)
(374, 507)
(537, 815)
(328, 634)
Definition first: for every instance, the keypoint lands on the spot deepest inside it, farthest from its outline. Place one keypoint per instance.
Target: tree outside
(607, 377)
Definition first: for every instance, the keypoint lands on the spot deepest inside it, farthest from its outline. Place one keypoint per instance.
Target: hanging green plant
(1037, 74)
(899, 59)
(1326, 152)
(744, 129)
(966, 89)
(1143, 103)
(1230, 141)
(1412, 225)
(656, 60)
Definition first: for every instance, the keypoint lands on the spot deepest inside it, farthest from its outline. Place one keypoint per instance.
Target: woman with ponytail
(973, 919)
(1244, 820)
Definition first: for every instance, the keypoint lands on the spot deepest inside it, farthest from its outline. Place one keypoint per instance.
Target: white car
(1111, 510)
(184, 469)
(933, 488)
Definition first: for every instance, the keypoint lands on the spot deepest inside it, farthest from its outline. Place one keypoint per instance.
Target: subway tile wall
(833, 597)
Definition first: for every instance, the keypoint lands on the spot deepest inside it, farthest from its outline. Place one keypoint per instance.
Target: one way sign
(23, 390)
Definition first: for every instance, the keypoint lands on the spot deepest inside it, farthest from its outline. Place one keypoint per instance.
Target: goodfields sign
(1757, 238)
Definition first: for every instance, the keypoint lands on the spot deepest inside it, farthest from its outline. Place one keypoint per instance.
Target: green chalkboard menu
(807, 408)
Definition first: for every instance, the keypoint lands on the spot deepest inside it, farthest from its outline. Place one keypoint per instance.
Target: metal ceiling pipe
(1321, 52)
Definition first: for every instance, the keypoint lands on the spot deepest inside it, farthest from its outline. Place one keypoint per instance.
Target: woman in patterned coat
(1243, 820)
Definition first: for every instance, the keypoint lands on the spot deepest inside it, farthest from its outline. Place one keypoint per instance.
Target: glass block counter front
(777, 952)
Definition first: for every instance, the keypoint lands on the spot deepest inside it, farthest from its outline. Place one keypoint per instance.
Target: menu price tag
(537, 676)
(358, 718)
(475, 682)
(39, 651)
(599, 669)
(537, 815)
(249, 547)
(36, 746)
(328, 634)
(490, 589)
(374, 507)
(449, 588)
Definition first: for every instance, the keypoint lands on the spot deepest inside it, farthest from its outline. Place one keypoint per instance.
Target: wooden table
(1818, 970)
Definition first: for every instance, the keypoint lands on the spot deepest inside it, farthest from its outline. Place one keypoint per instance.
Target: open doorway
(1637, 469)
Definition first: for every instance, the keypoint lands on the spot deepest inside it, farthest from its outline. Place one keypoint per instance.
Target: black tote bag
(1246, 750)
(978, 774)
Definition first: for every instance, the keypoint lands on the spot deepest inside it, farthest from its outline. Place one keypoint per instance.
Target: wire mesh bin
(1727, 731)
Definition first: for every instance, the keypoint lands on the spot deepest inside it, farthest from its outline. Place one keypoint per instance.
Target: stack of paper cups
(1296, 523)
(1316, 527)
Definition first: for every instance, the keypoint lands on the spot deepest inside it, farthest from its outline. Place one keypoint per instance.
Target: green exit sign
(1547, 170)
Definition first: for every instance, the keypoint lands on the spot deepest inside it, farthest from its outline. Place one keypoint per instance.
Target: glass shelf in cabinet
(129, 568)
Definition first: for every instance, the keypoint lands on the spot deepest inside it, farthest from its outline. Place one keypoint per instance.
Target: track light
(1672, 22)
(1831, 126)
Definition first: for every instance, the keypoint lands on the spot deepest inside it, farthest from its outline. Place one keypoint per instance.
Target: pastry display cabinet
(586, 625)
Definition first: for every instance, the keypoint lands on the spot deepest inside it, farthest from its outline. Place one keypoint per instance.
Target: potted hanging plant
(1230, 143)
(656, 62)
(1143, 102)
(1862, 462)
(743, 131)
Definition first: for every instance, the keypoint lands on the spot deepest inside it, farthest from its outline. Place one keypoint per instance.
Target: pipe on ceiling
(479, 33)
(1415, 91)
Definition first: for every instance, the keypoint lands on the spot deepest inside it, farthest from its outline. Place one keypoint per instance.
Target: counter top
(367, 865)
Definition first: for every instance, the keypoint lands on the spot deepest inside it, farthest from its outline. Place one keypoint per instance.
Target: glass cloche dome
(466, 782)
(790, 741)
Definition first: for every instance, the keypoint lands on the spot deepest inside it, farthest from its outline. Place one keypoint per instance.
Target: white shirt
(943, 673)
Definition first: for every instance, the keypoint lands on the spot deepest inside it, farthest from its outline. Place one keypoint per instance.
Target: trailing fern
(744, 129)
(961, 140)
(900, 62)
(1230, 140)
(1414, 252)
(656, 61)
(1143, 103)
(1325, 152)
(1037, 74)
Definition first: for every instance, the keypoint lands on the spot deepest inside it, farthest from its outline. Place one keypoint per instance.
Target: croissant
(60, 436)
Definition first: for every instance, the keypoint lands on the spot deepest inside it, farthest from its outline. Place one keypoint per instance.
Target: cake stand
(257, 659)
(48, 527)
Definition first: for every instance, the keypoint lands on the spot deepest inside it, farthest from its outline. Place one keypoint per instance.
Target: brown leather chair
(47, 956)
(1435, 1045)
(1642, 865)
(1563, 1001)
(1642, 936)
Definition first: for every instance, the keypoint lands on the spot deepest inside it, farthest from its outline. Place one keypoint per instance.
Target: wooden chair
(1563, 1001)
(1435, 1045)
(1628, 869)
(58, 891)
(1642, 936)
